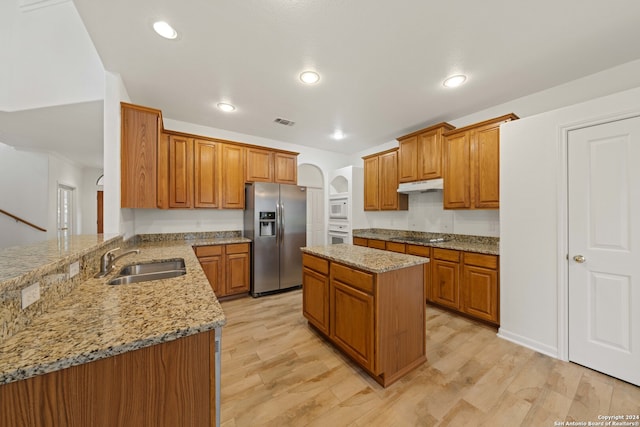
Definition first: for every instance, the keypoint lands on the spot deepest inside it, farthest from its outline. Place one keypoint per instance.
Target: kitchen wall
(533, 246)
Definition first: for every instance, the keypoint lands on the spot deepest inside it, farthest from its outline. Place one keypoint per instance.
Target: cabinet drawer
(314, 263)
(355, 278)
(377, 244)
(418, 250)
(359, 241)
(237, 248)
(202, 251)
(481, 260)
(446, 254)
(395, 247)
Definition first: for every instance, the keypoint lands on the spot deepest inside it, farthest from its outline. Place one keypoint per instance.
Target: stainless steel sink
(153, 267)
(146, 272)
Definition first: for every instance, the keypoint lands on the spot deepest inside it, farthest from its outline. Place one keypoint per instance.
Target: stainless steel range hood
(421, 186)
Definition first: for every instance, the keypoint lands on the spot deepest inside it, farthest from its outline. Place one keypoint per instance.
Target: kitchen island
(135, 354)
(369, 304)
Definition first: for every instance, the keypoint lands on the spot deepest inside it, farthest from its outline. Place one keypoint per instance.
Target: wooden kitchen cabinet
(480, 290)
(140, 130)
(423, 251)
(263, 165)
(352, 314)
(381, 182)
(471, 168)
(163, 385)
(315, 291)
(420, 153)
(200, 173)
(445, 275)
(360, 241)
(227, 267)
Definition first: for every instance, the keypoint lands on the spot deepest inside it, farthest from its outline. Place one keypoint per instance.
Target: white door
(315, 216)
(604, 248)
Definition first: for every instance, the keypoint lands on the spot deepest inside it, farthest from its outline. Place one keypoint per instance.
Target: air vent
(284, 122)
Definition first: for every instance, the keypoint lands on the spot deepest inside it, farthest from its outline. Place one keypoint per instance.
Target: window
(65, 209)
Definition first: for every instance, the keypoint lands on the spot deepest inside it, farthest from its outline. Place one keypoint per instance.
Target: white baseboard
(529, 343)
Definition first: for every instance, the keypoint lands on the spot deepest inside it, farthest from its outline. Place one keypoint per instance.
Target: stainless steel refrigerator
(275, 219)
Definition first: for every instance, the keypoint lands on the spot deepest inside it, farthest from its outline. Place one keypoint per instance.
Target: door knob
(579, 259)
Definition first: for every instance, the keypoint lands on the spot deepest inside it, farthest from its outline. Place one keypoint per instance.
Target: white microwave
(339, 208)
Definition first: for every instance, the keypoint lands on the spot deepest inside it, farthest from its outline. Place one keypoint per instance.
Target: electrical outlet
(30, 294)
(74, 269)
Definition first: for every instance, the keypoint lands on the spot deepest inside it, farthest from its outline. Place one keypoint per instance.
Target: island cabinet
(420, 153)
(315, 297)
(422, 251)
(140, 130)
(200, 173)
(472, 165)
(381, 182)
(164, 385)
(377, 319)
(227, 267)
(466, 282)
(263, 165)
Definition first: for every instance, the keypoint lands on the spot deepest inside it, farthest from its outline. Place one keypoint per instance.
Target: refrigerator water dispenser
(267, 223)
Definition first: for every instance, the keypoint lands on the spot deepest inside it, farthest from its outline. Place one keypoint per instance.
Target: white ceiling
(381, 63)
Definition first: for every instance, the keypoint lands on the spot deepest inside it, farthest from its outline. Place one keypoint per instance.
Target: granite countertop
(368, 259)
(459, 242)
(97, 320)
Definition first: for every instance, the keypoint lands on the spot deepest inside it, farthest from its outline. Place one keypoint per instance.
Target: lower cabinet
(163, 385)
(315, 297)
(466, 282)
(374, 318)
(227, 267)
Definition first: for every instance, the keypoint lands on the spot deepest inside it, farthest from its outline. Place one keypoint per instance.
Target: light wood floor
(276, 370)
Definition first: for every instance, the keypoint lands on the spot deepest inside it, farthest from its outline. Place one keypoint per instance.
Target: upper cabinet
(471, 168)
(420, 153)
(167, 169)
(381, 182)
(264, 165)
(140, 128)
(193, 172)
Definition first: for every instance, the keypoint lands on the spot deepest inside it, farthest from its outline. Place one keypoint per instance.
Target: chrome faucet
(109, 258)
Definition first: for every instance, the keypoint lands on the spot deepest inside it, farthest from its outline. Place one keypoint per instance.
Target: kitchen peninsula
(369, 304)
(135, 354)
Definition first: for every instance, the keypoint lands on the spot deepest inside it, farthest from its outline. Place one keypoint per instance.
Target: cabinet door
(315, 299)
(389, 197)
(445, 281)
(423, 251)
(232, 176)
(205, 174)
(259, 165)
(285, 168)
(480, 293)
(429, 155)
(140, 132)
(485, 173)
(180, 172)
(457, 187)
(214, 270)
(352, 322)
(237, 270)
(371, 184)
(359, 241)
(408, 159)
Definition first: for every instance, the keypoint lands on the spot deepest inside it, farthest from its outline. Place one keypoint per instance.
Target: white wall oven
(339, 233)
(339, 208)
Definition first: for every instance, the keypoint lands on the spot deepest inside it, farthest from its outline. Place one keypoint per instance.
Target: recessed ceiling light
(455, 81)
(338, 134)
(309, 77)
(226, 107)
(165, 30)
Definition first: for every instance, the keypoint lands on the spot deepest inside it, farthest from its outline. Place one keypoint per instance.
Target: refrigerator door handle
(281, 222)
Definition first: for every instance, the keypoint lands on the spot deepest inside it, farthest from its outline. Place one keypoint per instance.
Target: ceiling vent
(284, 122)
